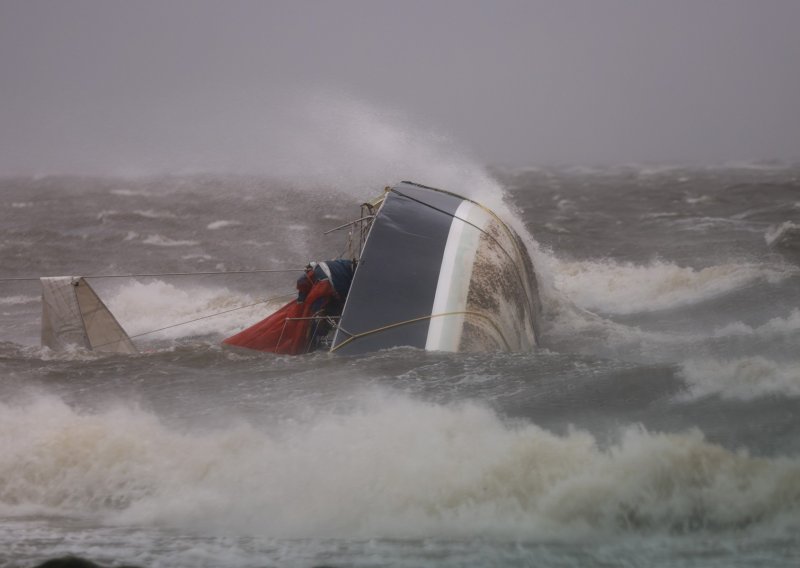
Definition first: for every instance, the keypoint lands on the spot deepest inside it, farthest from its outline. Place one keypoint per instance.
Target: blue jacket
(339, 272)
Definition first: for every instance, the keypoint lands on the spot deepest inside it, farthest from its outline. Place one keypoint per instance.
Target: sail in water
(73, 314)
(286, 331)
(302, 325)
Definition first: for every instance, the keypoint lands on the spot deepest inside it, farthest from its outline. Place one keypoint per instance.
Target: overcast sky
(153, 86)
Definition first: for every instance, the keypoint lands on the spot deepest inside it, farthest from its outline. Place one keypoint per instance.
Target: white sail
(73, 314)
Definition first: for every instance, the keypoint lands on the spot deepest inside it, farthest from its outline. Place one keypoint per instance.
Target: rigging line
(198, 319)
(502, 223)
(400, 193)
(348, 224)
(254, 271)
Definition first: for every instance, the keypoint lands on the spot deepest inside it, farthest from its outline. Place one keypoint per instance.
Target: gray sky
(153, 86)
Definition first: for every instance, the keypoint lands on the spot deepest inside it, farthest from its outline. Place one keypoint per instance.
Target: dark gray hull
(439, 272)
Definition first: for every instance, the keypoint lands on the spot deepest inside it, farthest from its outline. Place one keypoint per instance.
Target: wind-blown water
(657, 426)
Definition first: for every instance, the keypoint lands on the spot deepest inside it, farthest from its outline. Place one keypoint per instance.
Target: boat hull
(442, 273)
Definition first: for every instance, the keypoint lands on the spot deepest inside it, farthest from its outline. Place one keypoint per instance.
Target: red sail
(278, 333)
(282, 332)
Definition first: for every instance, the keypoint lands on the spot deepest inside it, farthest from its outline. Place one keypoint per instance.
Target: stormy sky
(159, 86)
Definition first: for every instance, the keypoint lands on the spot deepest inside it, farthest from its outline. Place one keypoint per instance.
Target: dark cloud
(168, 86)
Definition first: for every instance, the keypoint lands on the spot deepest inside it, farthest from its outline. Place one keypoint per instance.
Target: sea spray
(743, 378)
(142, 307)
(623, 288)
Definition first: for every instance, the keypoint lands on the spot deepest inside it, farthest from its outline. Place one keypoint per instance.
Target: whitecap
(785, 235)
(18, 300)
(774, 327)
(451, 472)
(742, 378)
(143, 307)
(129, 192)
(222, 224)
(695, 200)
(153, 214)
(624, 288)
(161, 241)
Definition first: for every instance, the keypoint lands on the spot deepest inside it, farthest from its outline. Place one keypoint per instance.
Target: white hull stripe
(444, 333)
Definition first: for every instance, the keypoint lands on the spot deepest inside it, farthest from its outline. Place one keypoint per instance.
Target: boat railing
(324, 340)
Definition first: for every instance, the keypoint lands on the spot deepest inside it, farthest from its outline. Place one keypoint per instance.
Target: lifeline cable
(354, 336)
(198, 319)
(217, 273)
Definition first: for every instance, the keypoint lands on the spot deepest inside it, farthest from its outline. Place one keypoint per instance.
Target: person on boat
(299, 326)
(330, 282)
(304, 285)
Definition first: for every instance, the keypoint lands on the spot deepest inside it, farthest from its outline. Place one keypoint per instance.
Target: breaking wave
(742, 378)
(18, 300)
(456, 471)
(786, 235)
(213, 226)
(624, 288)
(776, 327)
(110, 214)
(161, 241)
(143, 307)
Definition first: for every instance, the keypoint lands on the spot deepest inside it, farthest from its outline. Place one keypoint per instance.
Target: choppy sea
(658, 425)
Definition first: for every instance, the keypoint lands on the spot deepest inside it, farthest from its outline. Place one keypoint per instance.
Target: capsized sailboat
(426, 268)
(431, 270)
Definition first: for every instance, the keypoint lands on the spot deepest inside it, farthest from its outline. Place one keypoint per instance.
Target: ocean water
(658, 424)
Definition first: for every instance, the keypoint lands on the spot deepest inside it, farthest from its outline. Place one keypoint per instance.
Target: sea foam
(221, 224)
(17, 300)
(143, 307)
(622, 288)
(786, 235)
(453, 471)
(161, 241)
(742, 378)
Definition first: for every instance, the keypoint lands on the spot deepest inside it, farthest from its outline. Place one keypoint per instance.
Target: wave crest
(626, 288)
(742, 378)
(451, 472)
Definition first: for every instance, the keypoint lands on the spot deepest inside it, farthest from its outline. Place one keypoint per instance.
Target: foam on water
(221, 224)
(131, 193)
(18, 300)
(785, 235)
(153, 214)
(452, 471)
(775, 327)
(107, 214)
(141, 307)
(614, 287)
(162, 241)
(742, 378)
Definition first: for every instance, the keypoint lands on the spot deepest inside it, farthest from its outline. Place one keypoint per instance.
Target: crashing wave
(784, 236)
